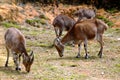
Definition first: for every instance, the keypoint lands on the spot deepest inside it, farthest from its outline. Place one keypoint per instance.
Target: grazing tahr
(15, 42)
(82, 32)
(62, 22)
(85, 14)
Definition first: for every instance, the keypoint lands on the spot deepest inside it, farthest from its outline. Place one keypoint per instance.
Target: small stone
(118, 39)
(102, 73)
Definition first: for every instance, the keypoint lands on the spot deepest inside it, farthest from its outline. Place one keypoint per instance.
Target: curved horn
(31, 55)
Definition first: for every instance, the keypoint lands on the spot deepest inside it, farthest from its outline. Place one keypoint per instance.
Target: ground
(49, 66)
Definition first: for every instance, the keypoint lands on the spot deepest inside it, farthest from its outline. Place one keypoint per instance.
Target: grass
(113, 31)
(36, 22)
(49, 66)
(10, 24)
(117, 68)
(110, 23)
(44, 17)
(112, 10)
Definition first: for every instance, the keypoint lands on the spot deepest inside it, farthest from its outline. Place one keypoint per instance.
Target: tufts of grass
(44, 17)
(33, 33)
(117, 67)
(36, 22)
(53, 68)
(28, 49)
(80, 77)
(112, 10)
(11, 24)
(113, 32)
(46, 45)
(38, 44)
(8, 25)
(110, 23)
(42, 21)
(68, 47)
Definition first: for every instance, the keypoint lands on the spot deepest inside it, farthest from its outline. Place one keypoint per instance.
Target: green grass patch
(33, 33)
(44, 17)
(110, 23)
(8, 25)
(117, 68)
(28, 49)
(38, 44)
(118, 65)
(46, 45)
(75, 76)
(113, 32)
(36, 22)
(112, 10)
(68, 47)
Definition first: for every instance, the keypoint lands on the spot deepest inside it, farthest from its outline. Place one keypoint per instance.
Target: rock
(102, 73)
(118, 39)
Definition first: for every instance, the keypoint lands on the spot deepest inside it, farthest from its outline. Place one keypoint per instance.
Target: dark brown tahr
(85, 14)
(15, 42)
(62, 22)
(82, 32)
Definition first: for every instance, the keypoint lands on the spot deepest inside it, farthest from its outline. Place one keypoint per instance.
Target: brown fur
(62, 22)
(83, 31)
(15, 41)
(85, 14)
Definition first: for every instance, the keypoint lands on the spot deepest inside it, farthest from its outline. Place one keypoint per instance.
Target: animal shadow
(10, 70)
(74, 58)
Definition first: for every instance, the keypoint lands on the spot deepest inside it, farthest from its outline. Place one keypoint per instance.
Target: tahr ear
(31, 53)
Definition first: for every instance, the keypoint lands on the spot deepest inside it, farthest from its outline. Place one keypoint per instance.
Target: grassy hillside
(49, 66)
(39, 34)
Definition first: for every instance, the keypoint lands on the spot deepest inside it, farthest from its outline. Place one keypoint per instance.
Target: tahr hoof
(86, 57)
(100, 55)
(73, 45)
(6, 65)
(77, 56)
(18, 69)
